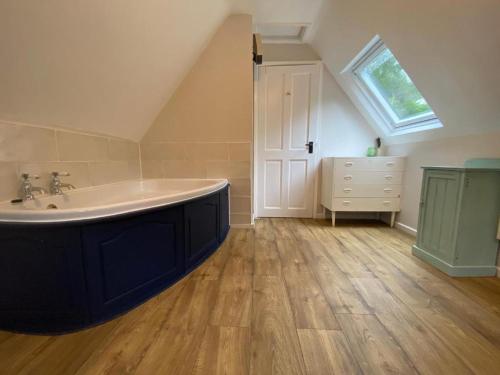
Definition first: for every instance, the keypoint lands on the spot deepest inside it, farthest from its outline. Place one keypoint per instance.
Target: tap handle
(27, 176)
(60, 174)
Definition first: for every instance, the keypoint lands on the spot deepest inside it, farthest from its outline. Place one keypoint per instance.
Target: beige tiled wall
(204, 160)
(205, 130)
(90, 159)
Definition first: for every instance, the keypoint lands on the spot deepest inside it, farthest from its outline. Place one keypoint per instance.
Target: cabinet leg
(393, 219)
(333, 218)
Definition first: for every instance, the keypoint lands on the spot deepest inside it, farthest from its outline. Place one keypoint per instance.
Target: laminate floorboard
(292, 296)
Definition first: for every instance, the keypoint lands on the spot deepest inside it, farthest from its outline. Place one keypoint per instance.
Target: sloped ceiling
(450, 48)
(100, 66)
(110, 66)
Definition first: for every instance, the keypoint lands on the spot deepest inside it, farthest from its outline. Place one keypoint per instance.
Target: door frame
(317, 144)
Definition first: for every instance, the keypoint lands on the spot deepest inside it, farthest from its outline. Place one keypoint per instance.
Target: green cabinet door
(459, 213)
(438, 213)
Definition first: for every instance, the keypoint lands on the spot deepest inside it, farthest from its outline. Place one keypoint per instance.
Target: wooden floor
(291, 297)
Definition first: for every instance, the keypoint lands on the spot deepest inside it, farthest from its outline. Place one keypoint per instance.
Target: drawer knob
(348, 164)
(390, 164)
(386, 203)
(387, 190)
(347, 190)
(348, 178)
(346, 203)
(388, 177)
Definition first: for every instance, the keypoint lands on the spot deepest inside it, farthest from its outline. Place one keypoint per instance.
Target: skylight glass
(391, 91)
(391, 82)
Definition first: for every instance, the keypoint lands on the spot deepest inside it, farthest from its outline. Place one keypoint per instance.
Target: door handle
(310, 147)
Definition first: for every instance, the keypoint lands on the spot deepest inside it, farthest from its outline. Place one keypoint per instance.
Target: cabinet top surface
(364, 157)
(461, 169)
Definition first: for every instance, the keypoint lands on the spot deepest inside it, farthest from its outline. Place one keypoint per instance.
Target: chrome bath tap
(27, 188)
(56, 185)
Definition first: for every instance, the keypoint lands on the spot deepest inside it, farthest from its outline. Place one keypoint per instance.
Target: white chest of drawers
(362, 184)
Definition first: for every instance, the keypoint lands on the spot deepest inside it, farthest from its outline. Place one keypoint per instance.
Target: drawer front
(366, 204)
(369, 177)
(370, 164)
(387, 164)
(351, 164)
(367, 191)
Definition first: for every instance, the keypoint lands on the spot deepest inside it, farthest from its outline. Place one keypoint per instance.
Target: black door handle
(310, 147)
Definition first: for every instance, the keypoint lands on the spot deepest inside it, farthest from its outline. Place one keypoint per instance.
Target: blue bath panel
(59, 278)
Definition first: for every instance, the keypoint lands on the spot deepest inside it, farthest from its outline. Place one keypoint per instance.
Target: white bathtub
(108, 200)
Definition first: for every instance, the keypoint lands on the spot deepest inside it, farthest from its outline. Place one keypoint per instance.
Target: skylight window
(393, 97)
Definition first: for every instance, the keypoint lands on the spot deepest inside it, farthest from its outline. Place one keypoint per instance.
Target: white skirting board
(407, 229)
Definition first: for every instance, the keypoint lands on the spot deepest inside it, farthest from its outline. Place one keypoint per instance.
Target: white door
(286, 123)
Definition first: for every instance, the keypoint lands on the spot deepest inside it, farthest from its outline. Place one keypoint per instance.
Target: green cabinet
(459, 211)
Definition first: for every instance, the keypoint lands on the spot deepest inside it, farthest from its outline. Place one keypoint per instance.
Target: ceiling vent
(282, 32)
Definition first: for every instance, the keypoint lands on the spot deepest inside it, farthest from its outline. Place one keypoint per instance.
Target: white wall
(344, 131)
(450, 152)
(449, 48)
(100, 66)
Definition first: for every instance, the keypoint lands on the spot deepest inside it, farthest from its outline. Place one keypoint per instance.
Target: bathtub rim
(76, 216)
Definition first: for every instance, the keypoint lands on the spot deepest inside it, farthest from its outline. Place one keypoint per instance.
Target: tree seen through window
(396, 86)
